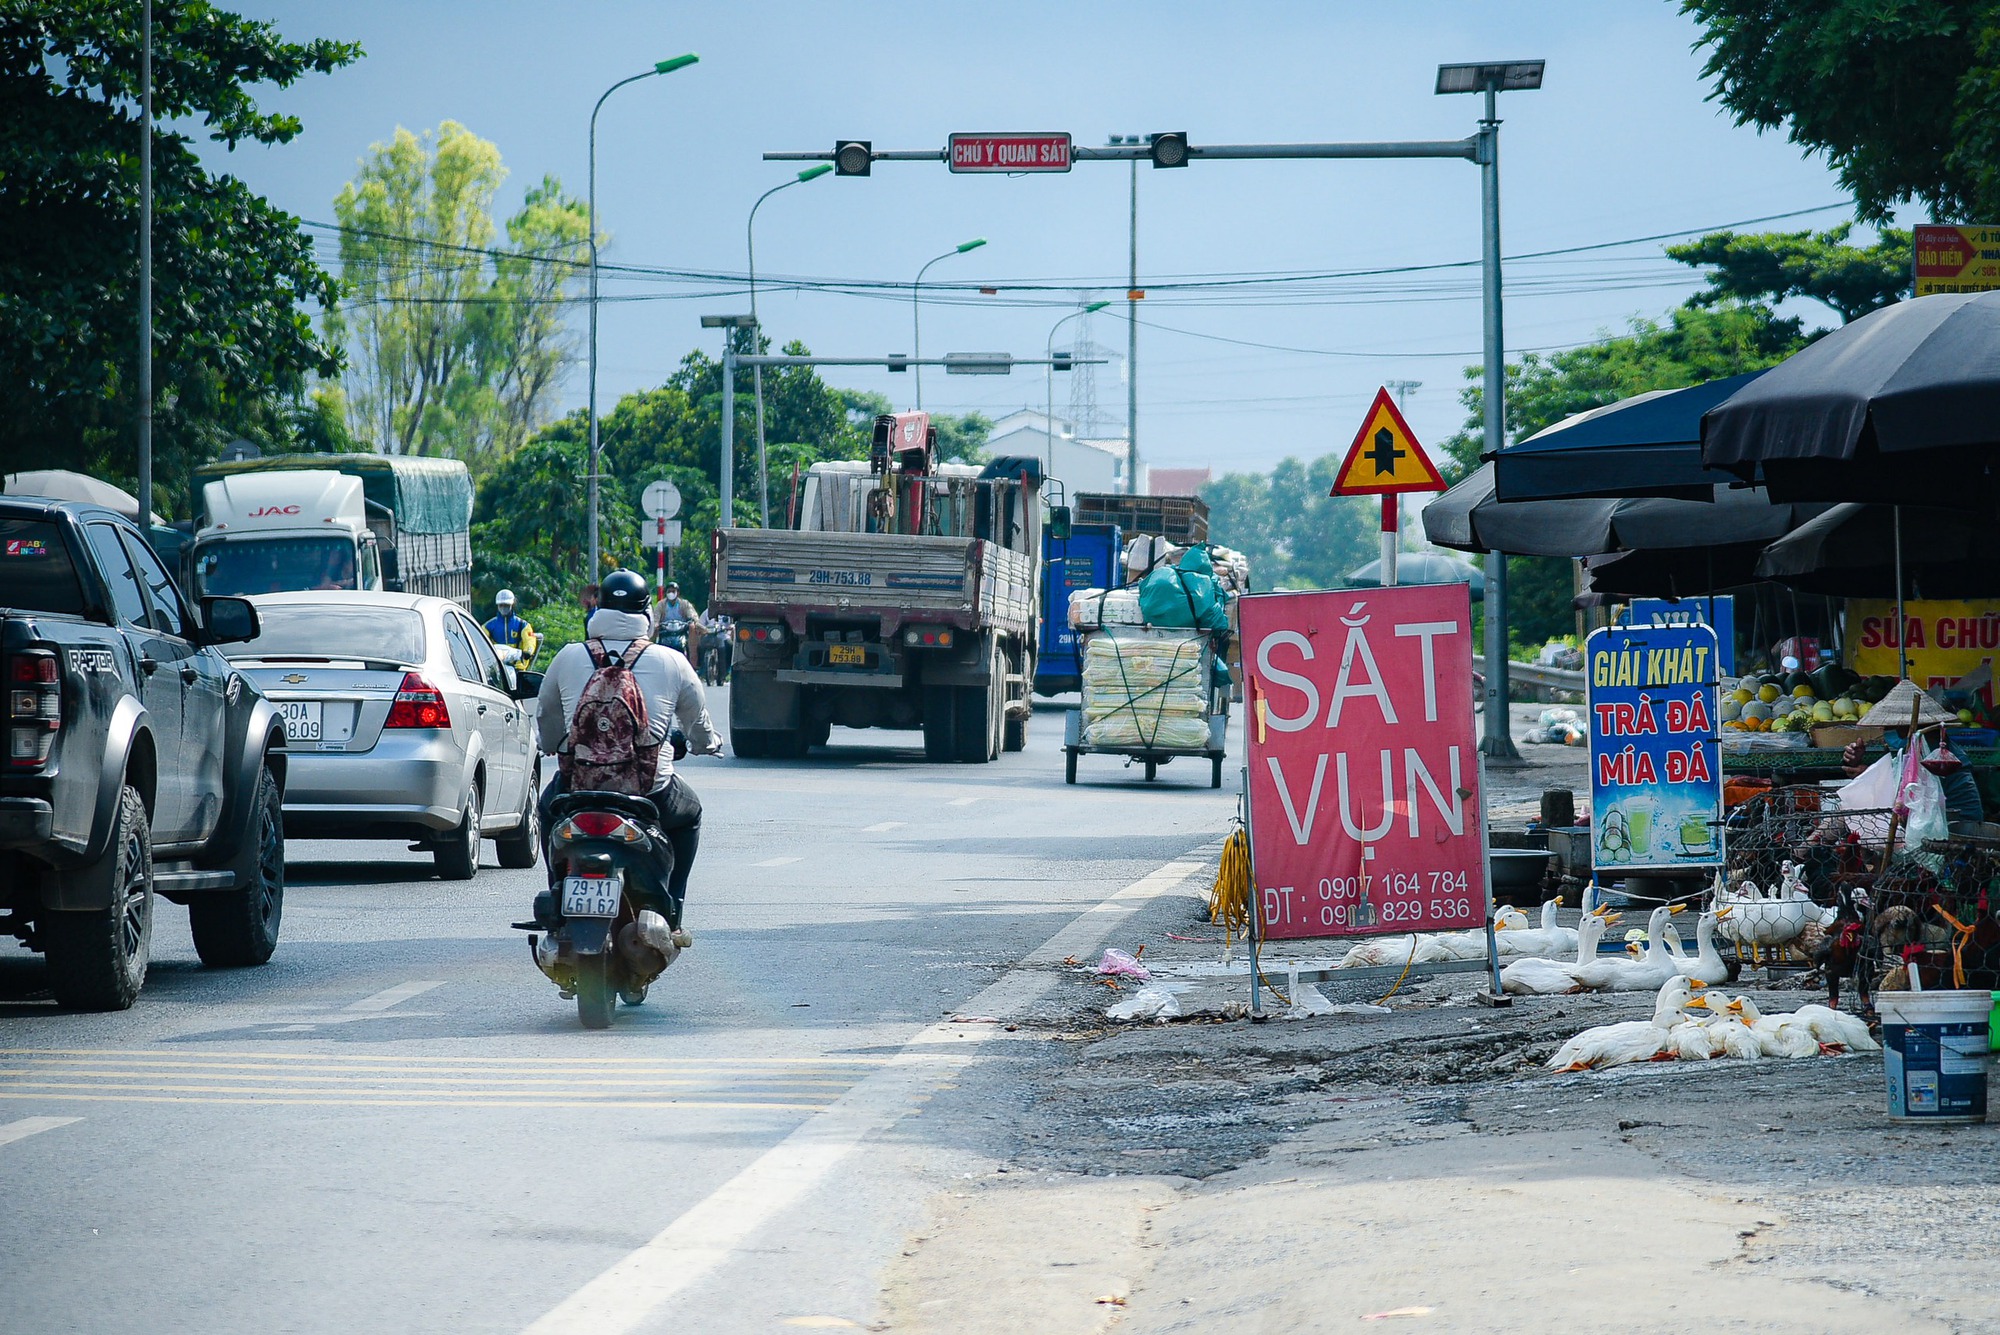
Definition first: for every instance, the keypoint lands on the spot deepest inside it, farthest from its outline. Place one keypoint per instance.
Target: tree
(232, 347)
(1294, 534)
(1901, 96)
(457, 344)
(1771, 267)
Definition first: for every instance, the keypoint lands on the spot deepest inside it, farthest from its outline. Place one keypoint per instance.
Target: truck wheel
(523, 844)
(748, 745)
(940, 719)
(237, 928)
(818, 732)
(595, 1001)
(1017, 733)
(457, 856)
(97, 958)
(979, 723)
(1069, 764)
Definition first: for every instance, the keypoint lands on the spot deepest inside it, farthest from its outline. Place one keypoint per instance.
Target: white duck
(1706, 965)
(1694, 1038)
(1644, 974)
(1532, 976)
(1837, 1028)
(1778, 1035)
(1631, 1040)
(1428, 947)
(1551, 940)
(1732, 1037)
(1772, 917)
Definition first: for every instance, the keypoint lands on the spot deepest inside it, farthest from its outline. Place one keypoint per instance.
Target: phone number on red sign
(1396, 897)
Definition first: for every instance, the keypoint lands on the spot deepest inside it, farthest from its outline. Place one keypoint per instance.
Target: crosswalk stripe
(391, 996)
(31, 1126)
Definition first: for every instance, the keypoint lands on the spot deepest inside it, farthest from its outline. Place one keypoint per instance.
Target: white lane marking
(883, 828)
(31, 1126)
(961, 801)
(698, 1242)
(290, 1028)
(777, 862)
(388, 997)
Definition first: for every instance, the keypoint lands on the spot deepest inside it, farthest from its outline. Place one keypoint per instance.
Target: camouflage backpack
(609, 750)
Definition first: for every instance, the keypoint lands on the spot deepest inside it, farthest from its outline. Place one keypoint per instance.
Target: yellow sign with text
(1947, 640)
(1956, 259)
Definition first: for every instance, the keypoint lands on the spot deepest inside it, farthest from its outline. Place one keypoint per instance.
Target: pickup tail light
(418, 705)
(34, 708)
(598, 825)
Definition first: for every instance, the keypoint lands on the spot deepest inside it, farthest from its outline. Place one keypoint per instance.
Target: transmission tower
(1085, 415)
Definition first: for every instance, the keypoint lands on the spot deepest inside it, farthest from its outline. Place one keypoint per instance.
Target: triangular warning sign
(1385, 457)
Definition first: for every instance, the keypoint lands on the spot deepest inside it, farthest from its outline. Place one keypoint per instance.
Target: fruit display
(1800, 701)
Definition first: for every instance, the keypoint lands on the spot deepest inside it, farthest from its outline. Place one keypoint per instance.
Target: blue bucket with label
(1934, 1046)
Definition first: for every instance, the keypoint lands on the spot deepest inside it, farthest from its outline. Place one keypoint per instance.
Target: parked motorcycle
(600, 944)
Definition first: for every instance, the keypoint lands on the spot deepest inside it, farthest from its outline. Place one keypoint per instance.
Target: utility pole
(1498, 743)
(145, 515)
(1132, 347)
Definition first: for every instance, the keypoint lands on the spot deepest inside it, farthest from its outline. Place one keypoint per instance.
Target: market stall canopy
(1673, 572)
(1470, 517)
(1900, 407)
(59, 484)
(1647, 445)
(1850, 550)
(1422, 568)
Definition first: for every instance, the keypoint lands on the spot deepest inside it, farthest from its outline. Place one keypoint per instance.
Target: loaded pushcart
(1150, 694)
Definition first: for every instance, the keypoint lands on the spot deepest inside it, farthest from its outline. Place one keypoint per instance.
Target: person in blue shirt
(508, 629)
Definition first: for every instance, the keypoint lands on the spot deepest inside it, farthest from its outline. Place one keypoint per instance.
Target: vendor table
(1809, 763)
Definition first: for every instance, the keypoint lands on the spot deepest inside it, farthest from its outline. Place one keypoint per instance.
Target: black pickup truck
(137, 762)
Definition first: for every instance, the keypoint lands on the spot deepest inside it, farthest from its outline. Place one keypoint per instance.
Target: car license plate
(302, 719)
(591, 896)
(853, 655)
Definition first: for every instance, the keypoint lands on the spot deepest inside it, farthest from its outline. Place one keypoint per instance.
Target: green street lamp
(659, 67)
(757, 371)
(1049, 351)
(916, 323)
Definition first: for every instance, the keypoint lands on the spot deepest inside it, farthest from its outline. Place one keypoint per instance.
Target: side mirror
(229, 620)
(1059, 523)
(527, 685)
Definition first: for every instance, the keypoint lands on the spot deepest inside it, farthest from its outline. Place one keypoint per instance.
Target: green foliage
(1294, 534)
(232, 347)
(1771, 267)
(1902, 96)
(457, 344)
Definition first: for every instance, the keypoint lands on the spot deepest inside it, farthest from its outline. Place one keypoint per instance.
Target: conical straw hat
(1894, 709)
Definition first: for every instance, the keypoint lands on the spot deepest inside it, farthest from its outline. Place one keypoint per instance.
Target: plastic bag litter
(1117, 964)
(1558, 727)
(1148, 1003)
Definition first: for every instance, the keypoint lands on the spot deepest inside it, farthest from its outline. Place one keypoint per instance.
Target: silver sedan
(401, 722)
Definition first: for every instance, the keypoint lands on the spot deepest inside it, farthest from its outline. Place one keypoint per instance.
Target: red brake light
(418, 705)
(595, 824)
(34, 667)
(34, 708)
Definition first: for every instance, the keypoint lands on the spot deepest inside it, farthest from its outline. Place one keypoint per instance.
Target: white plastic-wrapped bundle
(1145, 688)
(1091, 608)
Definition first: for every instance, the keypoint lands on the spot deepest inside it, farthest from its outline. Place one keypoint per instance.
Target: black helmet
(623, 591)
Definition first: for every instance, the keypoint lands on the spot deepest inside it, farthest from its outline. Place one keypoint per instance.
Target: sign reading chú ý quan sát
(1655, 769)
(1021, 152)
(1365, 787)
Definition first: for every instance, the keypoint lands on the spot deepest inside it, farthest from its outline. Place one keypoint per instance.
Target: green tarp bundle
(426, 495)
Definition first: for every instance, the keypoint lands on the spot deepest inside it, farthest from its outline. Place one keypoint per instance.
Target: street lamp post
(145, 515)
(916, 322)
(662, 67)
(1049, 351)
(757, 369)
(726, 483)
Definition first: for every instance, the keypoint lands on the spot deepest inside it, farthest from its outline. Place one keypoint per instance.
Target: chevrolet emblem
(293, 678)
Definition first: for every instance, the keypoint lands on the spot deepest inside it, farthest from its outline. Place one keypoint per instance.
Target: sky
(1620, 143)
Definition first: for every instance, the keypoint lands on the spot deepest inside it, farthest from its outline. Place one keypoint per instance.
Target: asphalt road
(398, 1125)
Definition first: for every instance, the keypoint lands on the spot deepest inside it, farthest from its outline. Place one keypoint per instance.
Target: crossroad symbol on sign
(1385, 457)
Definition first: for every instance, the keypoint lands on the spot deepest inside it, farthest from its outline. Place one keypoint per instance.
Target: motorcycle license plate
(591, 896)
(302, 719)
(847, 655)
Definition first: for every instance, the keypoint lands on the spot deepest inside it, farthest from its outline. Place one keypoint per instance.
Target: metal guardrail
(1534, 674)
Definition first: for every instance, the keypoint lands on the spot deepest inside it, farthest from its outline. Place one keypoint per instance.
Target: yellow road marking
(418, 1103)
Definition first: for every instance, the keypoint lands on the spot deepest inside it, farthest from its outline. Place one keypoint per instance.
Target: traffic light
(1064, 361)
(897, 361)
(1169, 150)
(853, 157)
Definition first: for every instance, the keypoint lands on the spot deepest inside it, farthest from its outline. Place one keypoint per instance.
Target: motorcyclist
(508, 629)
(673, 607)
(673, 697)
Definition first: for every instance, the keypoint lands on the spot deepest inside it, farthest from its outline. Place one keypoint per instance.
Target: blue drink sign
(1655, 775)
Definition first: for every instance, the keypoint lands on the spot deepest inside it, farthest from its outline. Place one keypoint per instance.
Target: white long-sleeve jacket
(673, 692)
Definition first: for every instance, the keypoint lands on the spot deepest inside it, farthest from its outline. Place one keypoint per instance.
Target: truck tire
(979, 721)
(457, 853)
(1017, 733)
(748, 745)
(940, 724)
(97, 957)
(238, 928)
(522, 845)
(818, 733)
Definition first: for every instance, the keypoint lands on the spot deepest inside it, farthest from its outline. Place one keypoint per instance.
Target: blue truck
(1087, 559)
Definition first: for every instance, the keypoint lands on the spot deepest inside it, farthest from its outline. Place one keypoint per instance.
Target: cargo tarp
(1146, 688)
(426, 495)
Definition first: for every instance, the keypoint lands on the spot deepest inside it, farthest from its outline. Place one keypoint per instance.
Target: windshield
(328, 630)
(274, 565)
(35, 570)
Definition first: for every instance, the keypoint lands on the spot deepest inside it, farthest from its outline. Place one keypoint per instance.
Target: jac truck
(905, 597)
(333, 521)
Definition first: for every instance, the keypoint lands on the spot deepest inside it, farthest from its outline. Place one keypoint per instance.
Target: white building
(1079, 464)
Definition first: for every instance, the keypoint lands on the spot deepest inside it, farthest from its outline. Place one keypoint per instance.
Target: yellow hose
(1229, 898)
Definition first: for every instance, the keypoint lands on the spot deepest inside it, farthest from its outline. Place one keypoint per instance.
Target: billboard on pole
(1021, 152)
(1655, 767)
(1365, 789)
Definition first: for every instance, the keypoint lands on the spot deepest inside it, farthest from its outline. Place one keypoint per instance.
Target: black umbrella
(1674, 572)
(1647, 445)
(1901, 407)
(1853, 550)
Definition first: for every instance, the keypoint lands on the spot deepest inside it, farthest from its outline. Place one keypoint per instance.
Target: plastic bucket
(1934, 1046)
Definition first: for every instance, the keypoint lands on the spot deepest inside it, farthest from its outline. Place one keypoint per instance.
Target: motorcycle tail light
(599, 825)
(418, 705)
